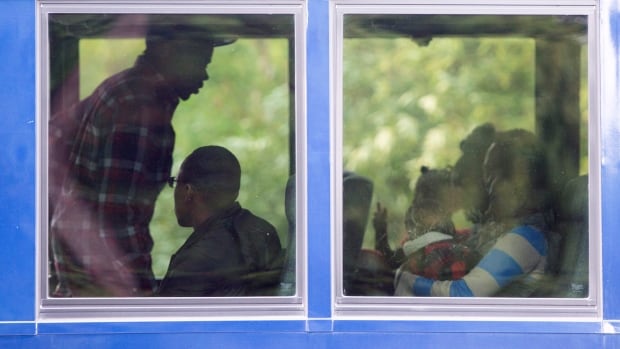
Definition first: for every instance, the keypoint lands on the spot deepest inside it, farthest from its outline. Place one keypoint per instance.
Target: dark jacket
(220, 254)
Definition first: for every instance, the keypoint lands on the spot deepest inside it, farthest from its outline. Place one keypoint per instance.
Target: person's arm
(394, 258)
(379, 223)
(514, 255)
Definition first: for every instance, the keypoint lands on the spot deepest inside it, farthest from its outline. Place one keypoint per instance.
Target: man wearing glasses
(231, 252)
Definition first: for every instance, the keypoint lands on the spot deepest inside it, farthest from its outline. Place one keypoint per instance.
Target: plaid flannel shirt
(120, 159)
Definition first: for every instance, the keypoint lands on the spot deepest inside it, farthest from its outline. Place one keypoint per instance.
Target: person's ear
(189, 192)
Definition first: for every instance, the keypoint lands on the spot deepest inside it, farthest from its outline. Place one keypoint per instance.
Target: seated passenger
(228, 242)
(467, 192)
(435, 249)
(513, 238)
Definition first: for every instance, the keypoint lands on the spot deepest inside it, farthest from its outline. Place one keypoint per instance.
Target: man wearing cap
(230, 247)
(118, 161)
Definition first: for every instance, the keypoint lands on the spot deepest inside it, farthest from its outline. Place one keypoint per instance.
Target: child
(435, 249)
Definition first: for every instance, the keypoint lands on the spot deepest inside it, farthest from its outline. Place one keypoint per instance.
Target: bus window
(170, 146)
(470, 135)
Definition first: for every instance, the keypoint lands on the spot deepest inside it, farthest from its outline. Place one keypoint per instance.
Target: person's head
(208, 181)
(181, 54)
(516, 176)
(467, 171)
(433, 203)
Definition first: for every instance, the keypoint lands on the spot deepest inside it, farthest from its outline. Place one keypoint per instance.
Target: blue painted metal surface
(17, 161)
(18, 328)
(611, 158)
(319, 300)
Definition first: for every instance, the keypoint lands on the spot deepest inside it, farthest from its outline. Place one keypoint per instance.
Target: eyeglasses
(171, 181)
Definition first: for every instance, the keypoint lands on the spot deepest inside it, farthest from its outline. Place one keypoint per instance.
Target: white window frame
(475, 308)
(176, 308)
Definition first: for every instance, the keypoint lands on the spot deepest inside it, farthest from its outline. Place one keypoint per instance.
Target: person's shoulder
(248, 221)
(129, 85)
(258, 240)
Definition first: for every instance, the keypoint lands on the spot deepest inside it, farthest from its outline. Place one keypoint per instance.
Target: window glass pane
(171, 143)
(465, 155)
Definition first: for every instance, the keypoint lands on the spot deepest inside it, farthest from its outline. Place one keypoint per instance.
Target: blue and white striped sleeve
(514, 255)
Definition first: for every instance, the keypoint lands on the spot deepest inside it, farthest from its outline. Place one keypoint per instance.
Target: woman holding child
(511, 236)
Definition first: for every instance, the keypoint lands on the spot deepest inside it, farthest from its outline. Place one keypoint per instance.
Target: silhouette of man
(117, 162)
(229, 243)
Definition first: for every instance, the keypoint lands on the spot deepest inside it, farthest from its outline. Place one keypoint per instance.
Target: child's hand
(379, 219)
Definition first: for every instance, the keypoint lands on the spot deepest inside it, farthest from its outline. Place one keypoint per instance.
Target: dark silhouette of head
(433, 203)
(181, 54)
(516, 176)
(467, 171)
(208, 182)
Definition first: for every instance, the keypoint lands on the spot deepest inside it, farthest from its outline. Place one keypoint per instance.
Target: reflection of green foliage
(404, 106)
(407, 105)
(100, 58)
(244, 107)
